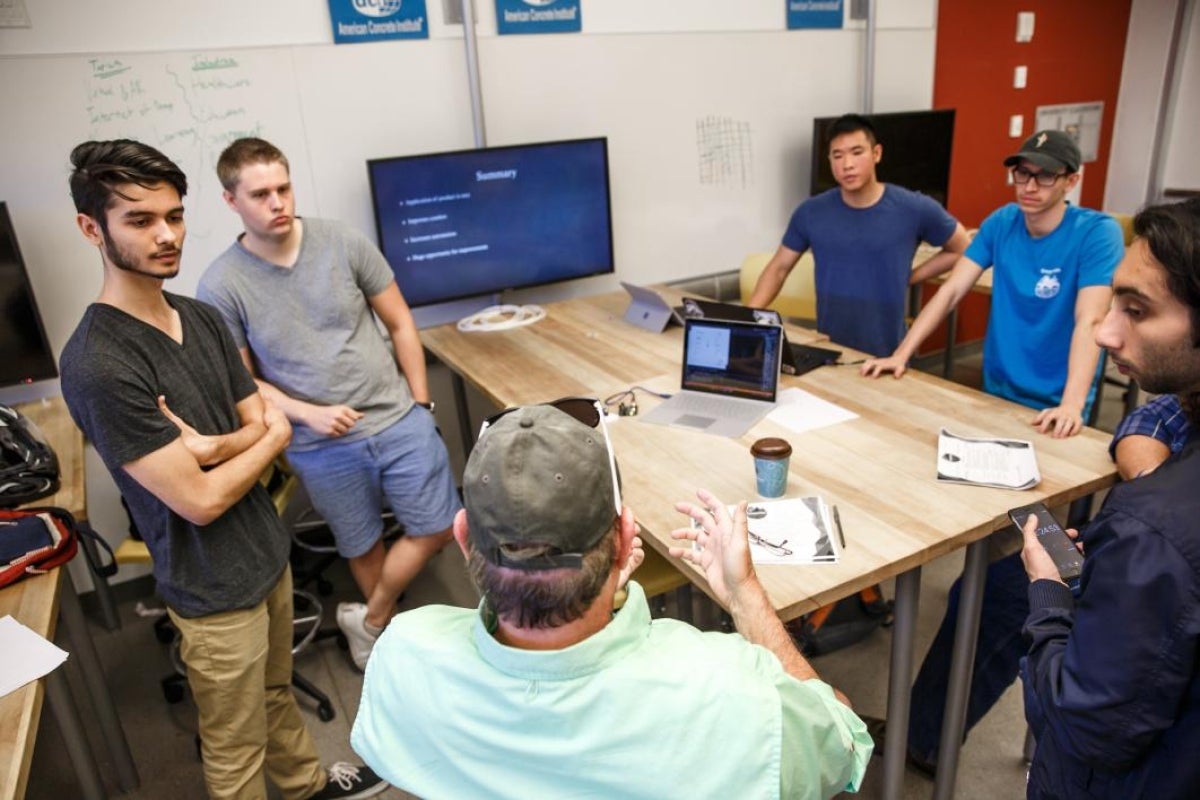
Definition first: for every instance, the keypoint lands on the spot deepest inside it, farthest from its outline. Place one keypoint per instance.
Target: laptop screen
(732, 358)
(710, 309)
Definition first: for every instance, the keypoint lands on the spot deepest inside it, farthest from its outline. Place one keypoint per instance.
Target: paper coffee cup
(771, 458)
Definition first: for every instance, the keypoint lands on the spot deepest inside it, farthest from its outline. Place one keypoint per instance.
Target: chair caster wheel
(325, 712)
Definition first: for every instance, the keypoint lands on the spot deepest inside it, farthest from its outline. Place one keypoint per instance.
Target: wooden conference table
(38, 603)
(878, 469)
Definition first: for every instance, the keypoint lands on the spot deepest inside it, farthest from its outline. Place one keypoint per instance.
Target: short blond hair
(241, 152)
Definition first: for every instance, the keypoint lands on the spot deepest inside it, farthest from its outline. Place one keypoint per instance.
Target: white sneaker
(352, 619)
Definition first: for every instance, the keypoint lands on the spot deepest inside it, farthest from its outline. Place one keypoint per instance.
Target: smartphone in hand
(1062, 550)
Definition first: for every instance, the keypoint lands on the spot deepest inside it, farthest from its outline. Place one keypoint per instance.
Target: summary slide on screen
(459, 224)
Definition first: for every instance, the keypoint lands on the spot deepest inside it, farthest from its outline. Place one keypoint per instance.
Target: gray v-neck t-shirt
(310, 327)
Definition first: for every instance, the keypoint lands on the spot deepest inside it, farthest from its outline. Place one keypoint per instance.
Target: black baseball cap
(1050, 150)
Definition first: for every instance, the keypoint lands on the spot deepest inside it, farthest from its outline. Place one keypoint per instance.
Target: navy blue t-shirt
(864, 260)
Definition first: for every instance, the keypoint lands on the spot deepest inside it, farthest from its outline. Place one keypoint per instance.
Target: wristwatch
(427, 406)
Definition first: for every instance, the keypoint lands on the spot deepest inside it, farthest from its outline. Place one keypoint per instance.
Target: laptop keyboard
(727, 407)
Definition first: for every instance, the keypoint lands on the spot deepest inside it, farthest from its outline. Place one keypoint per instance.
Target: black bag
(28, 467)
(841, 624)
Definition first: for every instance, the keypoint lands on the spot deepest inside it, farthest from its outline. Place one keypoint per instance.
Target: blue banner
(814, 13)
(377, 20)
(538, 16)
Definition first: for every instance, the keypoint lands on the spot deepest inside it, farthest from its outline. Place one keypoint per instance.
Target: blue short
(405, 463)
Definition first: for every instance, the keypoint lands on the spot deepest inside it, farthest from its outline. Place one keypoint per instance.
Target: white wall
(1182, 166)
(645, 73)
(1142, 76)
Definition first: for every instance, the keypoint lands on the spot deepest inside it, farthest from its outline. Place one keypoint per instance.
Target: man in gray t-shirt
(300, 297)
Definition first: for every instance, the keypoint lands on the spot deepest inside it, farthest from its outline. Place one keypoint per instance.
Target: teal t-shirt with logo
(1034, 288)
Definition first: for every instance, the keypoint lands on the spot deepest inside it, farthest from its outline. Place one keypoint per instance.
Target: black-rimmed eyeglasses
(1021, 176)
(586, 410)
(774, 548)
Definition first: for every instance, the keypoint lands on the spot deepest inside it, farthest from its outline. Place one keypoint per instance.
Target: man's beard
(127, 262)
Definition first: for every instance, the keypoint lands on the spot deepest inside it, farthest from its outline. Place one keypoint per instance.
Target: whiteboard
(709, 135)
(328, 108)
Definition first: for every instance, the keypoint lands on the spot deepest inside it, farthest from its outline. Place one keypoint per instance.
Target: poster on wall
(538, 16)
(13, 14)
(377, 20)
(1080, 120)
(814, 13)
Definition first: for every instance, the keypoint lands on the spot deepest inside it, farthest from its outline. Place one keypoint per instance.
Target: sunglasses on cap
(586, 410)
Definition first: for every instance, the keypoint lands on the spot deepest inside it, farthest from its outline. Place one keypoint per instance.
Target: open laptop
(730, 377)
(797, 358)
(648, 310)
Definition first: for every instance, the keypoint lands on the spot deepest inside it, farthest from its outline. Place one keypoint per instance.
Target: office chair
(313, 546)
(798, 297)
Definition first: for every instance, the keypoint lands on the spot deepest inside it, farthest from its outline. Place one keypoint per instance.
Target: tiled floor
(162, 736)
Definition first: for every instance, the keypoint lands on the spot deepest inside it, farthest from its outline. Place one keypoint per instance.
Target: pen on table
(837, 521)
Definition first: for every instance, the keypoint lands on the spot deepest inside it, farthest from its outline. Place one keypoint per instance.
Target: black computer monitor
(916, 151)
(25, 354)
(477, 222)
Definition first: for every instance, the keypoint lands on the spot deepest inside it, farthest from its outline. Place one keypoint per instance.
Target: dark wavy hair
(1172, 232)
(241, 152)
(100, 167)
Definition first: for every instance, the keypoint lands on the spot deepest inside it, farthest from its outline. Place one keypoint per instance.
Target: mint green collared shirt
(653, 709)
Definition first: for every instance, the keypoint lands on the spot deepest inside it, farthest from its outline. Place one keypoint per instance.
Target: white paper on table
(27, 656)
(800, 411)
(797, 530)
(1003, 463)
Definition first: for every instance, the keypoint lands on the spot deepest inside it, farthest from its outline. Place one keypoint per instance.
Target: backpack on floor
(841, 624)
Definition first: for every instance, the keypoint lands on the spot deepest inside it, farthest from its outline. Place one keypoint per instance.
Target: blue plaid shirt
(1162, 418)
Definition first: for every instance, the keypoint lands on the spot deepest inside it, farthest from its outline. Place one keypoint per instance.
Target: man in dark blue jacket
(1112, 679)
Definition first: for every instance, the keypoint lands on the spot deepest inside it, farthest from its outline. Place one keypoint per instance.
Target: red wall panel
(1075, 57)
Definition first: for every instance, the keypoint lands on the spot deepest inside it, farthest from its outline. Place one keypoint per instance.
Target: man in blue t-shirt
(862, 235)
(1053, 269)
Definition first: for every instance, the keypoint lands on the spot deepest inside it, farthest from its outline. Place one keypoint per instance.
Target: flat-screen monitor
(916, 151)
(25, 354)
(478, 222)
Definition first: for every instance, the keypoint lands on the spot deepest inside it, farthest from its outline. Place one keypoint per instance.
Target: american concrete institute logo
(377, 20)
(377, 8)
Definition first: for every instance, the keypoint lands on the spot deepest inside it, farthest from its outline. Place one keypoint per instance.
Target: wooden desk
(878, 469)
(38, 603)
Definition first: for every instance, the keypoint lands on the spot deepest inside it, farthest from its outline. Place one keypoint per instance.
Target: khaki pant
(239, 667)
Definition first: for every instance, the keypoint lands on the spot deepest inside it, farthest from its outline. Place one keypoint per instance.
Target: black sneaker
(350, 782)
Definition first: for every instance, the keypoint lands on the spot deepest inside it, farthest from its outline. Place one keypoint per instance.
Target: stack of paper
(27, 656)
(795, 531)
(1003, 463)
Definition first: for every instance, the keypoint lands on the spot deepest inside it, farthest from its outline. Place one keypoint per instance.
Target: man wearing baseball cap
(1053, 265)
(559, 684)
